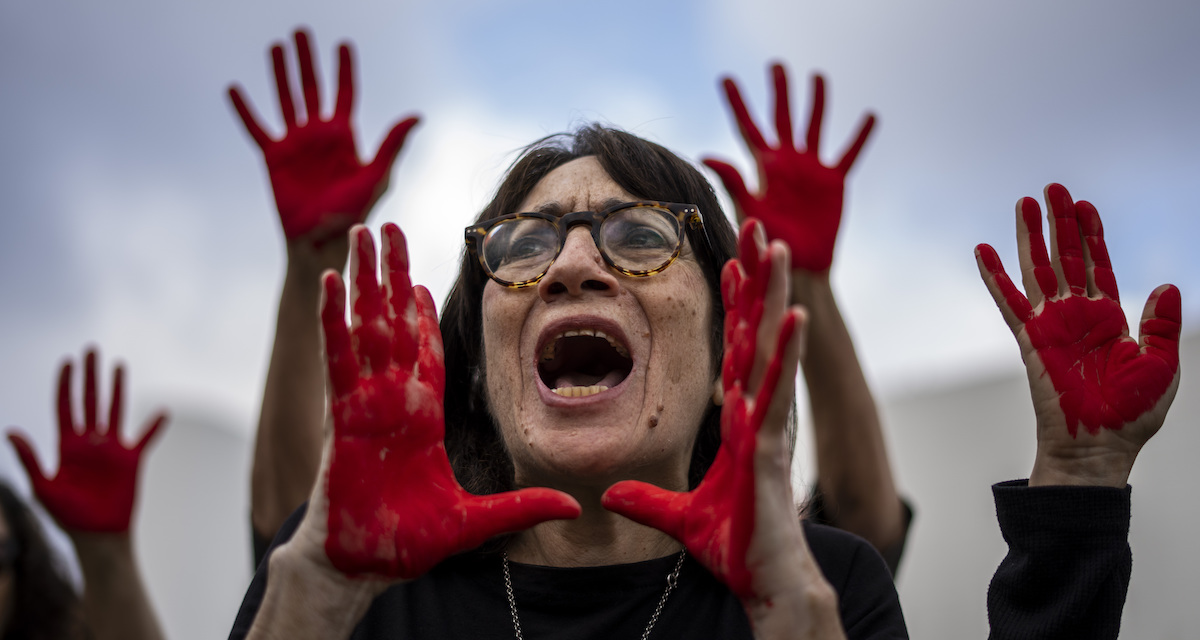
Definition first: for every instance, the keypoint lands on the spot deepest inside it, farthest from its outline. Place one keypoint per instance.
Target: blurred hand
(394, 506)
(321, 187)
(800, 201)
(741, 522)
(1098, 394)
(96, 484)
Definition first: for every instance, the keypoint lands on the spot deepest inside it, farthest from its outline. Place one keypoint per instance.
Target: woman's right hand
(386, 503)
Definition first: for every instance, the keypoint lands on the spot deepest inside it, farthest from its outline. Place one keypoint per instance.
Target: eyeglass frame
(686, 215)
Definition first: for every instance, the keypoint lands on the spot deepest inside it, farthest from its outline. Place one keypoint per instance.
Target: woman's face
(593, 376)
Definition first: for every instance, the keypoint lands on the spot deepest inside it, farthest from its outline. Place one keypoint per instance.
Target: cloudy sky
(136, 214)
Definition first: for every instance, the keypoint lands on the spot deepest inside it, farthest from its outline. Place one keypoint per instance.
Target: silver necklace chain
(672, 581)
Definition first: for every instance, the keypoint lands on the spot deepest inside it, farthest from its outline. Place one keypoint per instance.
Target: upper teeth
(548, 350)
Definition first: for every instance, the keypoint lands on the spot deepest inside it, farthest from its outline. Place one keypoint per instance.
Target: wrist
(1104, 468)
(810, 287)
(809, 611)
(307, 258)
(312, 599)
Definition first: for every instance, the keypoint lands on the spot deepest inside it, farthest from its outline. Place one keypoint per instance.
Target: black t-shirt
(464, 597)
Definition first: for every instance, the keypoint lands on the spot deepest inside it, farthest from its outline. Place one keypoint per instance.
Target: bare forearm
(288, 443)
(852, 460)
(115, 602)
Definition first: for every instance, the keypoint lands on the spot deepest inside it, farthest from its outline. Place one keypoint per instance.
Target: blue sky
(136, 215)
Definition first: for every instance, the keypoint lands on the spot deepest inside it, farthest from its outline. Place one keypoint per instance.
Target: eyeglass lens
(634, 239)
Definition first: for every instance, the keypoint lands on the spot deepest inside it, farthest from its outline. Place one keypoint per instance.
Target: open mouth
(583, 362)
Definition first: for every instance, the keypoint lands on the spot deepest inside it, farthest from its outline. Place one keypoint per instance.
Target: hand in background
(321, 187)
(800, 199)
(1098, 394)
(96, 484)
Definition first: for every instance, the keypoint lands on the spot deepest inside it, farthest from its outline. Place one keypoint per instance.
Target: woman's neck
(597, 537)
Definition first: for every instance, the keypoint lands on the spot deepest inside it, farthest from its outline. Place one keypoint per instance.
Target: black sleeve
(1068, 564)
(867, 599)
(816, 510)
(258, 585)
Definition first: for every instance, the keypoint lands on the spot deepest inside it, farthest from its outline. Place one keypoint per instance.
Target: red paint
(395, 508)
(321, 187)
(1105, 379)
(96, 484)
(716, 520)
(800, 199)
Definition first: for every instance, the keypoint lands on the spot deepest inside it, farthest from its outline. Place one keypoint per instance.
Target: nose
(579, 268)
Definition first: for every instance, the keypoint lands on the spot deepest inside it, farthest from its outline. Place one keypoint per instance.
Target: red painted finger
(368, 320)
(1036, 272)
(340, 359)
(785, 358)
(491, 515)
(286, 107)
(345, 94)
(66, 423)
(750, 133)
(733, 184)
(401, 308)
(431, 365)
(385, 157)
(115, 406)
(783, 110)
(1100, 276)
(749, 248)
(649, 505)
(29, 460)
(851, 154)
(151, 432)
(812, 141)
(1067, 254)
(308, 77)
(1160, 326)
(1013, 305)
(89, 391)
(249, 120)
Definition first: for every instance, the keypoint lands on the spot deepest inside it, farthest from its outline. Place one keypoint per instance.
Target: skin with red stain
(801, 199)
(716, 521)
(321, 187)
(96, 484)
(1085, 371)
(394, 506)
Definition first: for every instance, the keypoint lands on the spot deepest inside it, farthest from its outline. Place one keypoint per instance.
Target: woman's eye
(529, 246)
(642, 237)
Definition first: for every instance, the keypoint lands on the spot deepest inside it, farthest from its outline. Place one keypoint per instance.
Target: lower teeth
(579, 392)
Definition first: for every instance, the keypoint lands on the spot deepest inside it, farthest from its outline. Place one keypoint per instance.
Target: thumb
(511, 511)
(733, 184)
(151, 431)
(28, 458)
(649, 505)
(391, 145)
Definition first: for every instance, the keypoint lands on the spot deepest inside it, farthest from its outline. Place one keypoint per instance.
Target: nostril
(595, 285)
(556, 287)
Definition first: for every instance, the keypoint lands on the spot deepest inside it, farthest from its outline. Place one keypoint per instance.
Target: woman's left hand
(741, 521)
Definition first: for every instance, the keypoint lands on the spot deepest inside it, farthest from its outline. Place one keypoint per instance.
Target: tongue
(580, 379)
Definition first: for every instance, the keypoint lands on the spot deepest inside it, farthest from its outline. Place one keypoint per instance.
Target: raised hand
(321, 187)
(741, 519)
(96, 484)
(394, 506)
(800, 199)
(1098, 394)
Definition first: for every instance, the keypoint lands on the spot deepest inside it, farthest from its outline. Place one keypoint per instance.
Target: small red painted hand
(321, 187)
(96, 484)
(1084, 369)
(726, 515)
(395, 508)
(801, 199)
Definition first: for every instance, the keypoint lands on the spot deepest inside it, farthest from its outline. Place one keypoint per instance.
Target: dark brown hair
(45, 606)
(642, 168)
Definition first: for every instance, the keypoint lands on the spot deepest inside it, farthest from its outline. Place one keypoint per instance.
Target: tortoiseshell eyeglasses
(636, 239)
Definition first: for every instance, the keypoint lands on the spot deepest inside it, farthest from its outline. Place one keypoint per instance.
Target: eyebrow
(556, 208)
